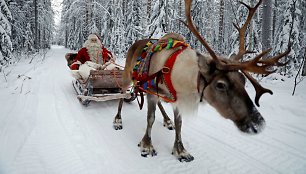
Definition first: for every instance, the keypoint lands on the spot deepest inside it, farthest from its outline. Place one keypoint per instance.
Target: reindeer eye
(221, 86)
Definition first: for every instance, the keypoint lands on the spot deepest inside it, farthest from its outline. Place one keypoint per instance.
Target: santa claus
(92, 56)
(93, 51)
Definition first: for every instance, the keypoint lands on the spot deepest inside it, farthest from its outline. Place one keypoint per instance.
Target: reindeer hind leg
(167, 121)
(145, 144)
(117, 123)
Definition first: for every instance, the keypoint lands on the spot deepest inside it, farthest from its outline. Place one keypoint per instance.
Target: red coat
(105, 54)
(83, 57)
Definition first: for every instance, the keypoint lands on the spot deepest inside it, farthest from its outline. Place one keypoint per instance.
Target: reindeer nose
(252, 124)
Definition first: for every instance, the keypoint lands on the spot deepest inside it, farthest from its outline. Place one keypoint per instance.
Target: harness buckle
(165, 70)
(137, 84)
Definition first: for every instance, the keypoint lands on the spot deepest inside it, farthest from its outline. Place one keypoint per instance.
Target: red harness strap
(167, 69)
(165, 72)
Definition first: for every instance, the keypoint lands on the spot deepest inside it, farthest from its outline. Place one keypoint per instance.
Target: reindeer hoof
(117, 127)
(181, 154)
(186, 158)
(147, 150)
(145, 153)
(169, 124)
(117, 124)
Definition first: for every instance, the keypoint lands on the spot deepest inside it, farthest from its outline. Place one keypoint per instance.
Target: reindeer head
(224, 79)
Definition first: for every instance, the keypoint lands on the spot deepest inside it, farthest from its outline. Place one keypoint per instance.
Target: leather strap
(167, 70)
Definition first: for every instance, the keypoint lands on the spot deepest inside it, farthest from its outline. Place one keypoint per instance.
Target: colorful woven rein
(141, 69)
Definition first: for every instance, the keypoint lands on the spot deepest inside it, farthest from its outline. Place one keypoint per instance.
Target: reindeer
(196, 76)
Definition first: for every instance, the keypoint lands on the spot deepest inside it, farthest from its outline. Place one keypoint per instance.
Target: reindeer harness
(143, 82)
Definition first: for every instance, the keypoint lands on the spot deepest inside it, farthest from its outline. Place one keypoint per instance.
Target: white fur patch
(75, 74)
(84, 71)
(187, 104)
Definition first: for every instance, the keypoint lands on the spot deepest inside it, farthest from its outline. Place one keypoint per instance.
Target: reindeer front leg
(145, 145)
(178, 148)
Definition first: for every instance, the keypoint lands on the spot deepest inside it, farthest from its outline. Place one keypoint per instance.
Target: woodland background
(27, 27)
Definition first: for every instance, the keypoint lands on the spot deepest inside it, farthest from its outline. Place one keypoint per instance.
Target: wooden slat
(104, 97)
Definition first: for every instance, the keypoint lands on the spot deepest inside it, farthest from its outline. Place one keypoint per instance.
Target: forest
(28, 26)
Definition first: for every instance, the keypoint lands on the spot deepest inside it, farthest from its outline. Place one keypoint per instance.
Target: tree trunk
(66, 37)
(149, 10)
(167, 16)
(274, 20)
(36, 24)
(298, 73)
(267, 25)
(88, 17)
(221, 27)
(304, 66)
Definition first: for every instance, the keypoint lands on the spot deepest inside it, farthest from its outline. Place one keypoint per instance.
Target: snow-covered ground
(44, 129)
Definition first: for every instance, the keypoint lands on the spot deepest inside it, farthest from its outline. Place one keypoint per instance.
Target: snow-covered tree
(18, 26)
(134, 27)
(157, 25)
(288, 32)
(46, 23)
(119, 39)
(28, 39)
(5, 33)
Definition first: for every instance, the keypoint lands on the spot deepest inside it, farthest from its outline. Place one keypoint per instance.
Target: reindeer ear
(207, 65)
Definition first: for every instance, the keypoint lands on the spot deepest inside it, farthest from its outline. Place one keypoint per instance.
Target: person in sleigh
(93, 56)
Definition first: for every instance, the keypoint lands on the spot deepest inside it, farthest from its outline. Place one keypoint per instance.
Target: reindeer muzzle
(252, 124)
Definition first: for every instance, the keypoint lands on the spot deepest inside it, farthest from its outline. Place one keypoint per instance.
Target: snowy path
(44, 129)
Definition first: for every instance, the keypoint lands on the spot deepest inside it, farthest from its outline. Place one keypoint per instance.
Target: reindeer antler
(193, 29)
(256, 65)
(242, 30)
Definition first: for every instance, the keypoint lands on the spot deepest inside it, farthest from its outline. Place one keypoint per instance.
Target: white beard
(94, 51)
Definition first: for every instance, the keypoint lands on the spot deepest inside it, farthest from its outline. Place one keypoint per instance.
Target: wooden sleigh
(102, 85)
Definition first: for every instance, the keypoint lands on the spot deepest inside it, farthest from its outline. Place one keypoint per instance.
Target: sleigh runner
(102, 85)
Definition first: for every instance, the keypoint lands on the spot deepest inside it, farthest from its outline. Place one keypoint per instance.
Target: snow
(44, 129)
